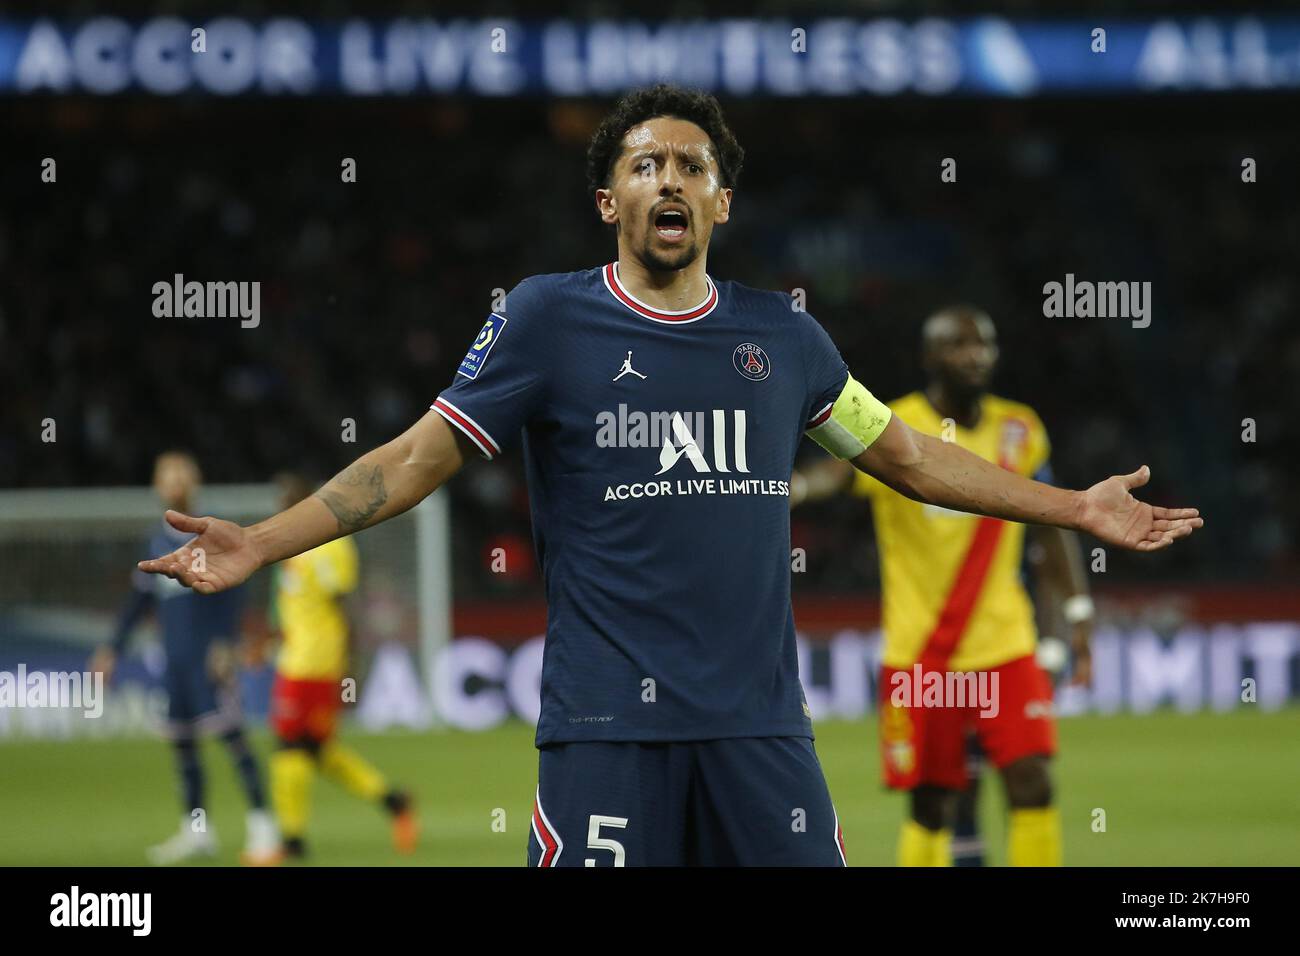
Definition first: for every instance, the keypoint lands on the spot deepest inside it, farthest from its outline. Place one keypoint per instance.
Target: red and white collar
(616, 288)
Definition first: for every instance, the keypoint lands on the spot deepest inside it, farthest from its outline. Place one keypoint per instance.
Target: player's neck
(671, 290)
(963, 408)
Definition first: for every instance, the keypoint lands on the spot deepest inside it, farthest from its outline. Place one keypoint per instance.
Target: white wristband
(1078, 609)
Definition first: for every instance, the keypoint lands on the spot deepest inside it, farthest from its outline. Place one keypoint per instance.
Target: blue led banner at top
(166, 56)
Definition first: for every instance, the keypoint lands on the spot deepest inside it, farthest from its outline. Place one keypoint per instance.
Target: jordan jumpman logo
(627, 368)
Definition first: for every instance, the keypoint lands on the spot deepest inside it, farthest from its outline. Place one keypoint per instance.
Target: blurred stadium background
(470, 175)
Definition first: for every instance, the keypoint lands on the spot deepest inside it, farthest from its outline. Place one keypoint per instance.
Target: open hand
(220, 557)
(1113, 515)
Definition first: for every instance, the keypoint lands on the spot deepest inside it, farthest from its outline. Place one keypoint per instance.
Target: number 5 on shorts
(597, 842)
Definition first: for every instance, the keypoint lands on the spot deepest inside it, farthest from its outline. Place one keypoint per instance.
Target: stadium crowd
(370, 291)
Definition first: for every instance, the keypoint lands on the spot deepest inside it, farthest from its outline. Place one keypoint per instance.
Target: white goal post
(66, 556)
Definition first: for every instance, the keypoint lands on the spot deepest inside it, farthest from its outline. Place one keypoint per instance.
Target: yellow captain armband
(848, 426)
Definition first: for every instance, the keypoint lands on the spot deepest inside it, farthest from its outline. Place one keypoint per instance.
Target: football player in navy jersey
(198, 637)
(658, 411)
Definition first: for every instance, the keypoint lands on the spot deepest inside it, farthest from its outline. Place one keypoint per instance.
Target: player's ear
(723, 211)
(607, 206)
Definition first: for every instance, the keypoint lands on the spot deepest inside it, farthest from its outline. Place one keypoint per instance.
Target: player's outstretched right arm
(377, 486)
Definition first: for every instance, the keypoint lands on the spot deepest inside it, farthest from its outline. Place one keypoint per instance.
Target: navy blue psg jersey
(658, 448)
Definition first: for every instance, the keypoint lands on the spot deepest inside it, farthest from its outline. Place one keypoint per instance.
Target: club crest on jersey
(751, 361)
(1015, 434)
(473, 361)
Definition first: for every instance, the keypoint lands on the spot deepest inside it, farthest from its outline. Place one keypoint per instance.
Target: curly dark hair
(663, 99)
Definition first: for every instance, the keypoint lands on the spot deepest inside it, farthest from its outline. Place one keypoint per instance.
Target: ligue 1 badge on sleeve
(751, 361)
(478, 352)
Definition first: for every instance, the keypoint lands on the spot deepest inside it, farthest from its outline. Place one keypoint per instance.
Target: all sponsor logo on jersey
(751, 361)
(713, 443)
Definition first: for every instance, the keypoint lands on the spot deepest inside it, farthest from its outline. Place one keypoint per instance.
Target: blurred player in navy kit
(660, 412)
(198, 634)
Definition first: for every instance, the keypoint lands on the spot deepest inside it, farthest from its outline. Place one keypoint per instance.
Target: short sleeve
(841, 415)
(825, 369)
(500, 384)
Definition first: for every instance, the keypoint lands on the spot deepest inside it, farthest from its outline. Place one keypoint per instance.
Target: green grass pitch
(1199, 789)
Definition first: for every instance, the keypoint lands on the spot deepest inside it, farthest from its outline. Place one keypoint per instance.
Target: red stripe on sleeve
(485, 443)
(821, 417)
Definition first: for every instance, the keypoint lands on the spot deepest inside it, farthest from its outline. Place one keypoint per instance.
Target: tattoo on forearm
(355, 495)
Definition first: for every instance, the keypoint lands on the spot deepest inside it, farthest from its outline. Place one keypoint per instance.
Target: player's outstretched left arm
(943, 473)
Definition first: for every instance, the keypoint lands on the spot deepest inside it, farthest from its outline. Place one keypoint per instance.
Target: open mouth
(671, 225)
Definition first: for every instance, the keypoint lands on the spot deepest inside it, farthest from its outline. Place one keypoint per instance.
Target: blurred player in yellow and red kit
(308, 593)
(953, 601)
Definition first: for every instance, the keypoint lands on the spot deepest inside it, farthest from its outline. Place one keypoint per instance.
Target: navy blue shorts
(199, 700)
(747, 801)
